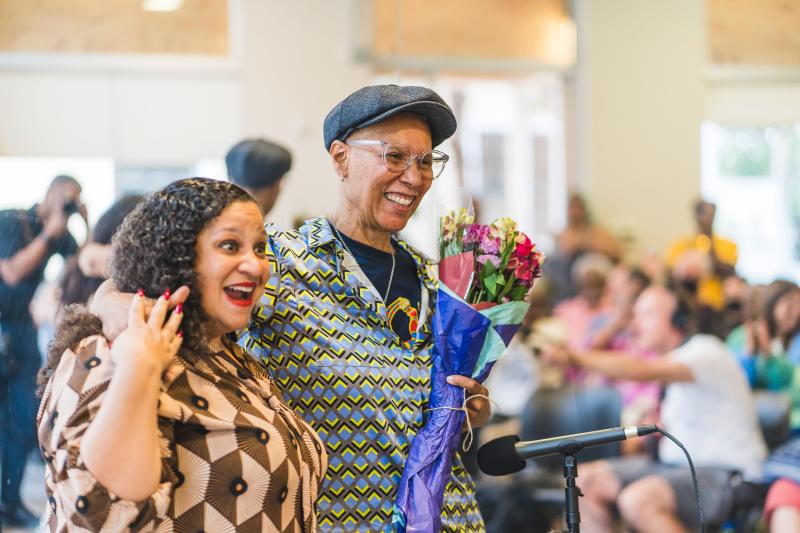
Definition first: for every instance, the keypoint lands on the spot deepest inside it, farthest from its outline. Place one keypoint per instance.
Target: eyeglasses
(397, 158)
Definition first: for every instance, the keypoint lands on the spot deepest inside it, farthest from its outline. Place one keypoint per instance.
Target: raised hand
(55, 225)
(113, 307)
(150, 338)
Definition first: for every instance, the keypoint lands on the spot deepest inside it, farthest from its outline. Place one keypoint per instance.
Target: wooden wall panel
(507, 29)
(754, 32)
(113, 26)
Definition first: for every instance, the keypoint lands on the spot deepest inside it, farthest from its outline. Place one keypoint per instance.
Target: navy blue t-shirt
(17, 229)
(405, 293)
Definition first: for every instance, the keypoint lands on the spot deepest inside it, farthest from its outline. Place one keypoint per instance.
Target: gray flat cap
(373, 104)
(257, 163)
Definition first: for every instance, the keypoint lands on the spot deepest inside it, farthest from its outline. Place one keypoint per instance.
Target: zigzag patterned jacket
(321, 329)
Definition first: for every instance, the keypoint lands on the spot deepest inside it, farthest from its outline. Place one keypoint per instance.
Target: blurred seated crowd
(678, 340)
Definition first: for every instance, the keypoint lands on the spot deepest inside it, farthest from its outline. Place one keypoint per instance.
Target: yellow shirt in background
(709, 290)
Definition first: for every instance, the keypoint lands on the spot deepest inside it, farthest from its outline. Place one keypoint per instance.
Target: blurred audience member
(779, 333)
(27, 241)
(653, 265)
(769, 364)
(782, 318)
(581, 236)
(707, 406)
(741, 341)
(589, 274)
(702, 261)
(612, 331)
(735, 291)
(258, 166)
(85, 272)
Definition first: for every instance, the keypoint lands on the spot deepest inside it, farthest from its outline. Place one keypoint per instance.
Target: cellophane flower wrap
(485, 275)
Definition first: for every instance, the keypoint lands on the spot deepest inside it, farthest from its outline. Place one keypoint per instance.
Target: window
(753, 175)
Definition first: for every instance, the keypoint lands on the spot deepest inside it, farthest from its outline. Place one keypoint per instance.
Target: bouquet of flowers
(485, 274)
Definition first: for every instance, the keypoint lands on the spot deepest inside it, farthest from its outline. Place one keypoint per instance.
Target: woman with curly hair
(176, 429)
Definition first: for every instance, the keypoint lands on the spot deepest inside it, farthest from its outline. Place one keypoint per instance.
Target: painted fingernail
(166, 294)
(179, 308)
(180, 333)
(140, 293)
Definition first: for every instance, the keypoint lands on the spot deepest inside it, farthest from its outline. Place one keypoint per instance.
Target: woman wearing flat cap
(344, 323)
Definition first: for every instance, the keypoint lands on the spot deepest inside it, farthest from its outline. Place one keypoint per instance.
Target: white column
(639, 104)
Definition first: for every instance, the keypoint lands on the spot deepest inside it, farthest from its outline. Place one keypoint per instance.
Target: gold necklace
(391, 272)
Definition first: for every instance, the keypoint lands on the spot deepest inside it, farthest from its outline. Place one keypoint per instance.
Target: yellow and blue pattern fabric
(323, 332)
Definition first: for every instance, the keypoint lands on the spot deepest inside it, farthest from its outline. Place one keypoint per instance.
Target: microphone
(507, 455)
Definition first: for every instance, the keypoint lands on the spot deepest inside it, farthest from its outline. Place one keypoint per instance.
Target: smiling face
(380, 200)
(231, 266)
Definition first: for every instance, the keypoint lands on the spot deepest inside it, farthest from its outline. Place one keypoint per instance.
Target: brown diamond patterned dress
(234, 456)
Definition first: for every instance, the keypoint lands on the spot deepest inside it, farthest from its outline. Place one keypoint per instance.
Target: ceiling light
(161, 5)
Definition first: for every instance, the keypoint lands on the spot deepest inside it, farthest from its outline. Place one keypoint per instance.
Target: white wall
(136, 117)
(748, 100)
(640, 103)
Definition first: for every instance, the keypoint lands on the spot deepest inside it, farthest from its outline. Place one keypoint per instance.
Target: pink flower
(493, 259)
(490, 245)
(475, 233)
(523, 272)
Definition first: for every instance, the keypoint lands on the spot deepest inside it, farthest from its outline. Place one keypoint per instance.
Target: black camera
(70, 208)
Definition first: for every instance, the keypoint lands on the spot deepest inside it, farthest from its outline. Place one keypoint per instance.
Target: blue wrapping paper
(466, 342)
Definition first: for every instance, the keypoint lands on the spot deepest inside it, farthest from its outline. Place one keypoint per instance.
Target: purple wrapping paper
(459, 334)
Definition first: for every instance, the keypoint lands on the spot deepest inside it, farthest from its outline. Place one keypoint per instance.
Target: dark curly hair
(155, 249)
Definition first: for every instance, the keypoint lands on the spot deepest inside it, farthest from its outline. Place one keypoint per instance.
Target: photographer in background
(27, 241)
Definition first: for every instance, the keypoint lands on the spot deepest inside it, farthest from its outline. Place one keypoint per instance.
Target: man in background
(27, 241)
(701, 262)
(258, 166)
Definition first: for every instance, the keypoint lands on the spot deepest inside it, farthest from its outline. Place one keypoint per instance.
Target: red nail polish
(179, 308)
(140, 292)
(180, 333)
(166, 294)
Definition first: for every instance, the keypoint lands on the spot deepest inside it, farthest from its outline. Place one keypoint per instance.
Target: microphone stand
(571, 493)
